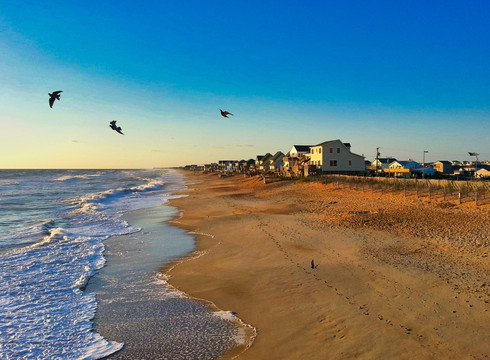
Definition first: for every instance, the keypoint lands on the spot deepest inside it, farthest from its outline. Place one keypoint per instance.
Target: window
(333, 163)
(350, 162)
(320, 150)
(331, 150)
(338, 150)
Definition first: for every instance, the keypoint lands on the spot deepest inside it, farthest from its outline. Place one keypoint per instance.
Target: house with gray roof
(262, 161)
(336, 157)
(382, 163)
(299, 150)
(276, 161)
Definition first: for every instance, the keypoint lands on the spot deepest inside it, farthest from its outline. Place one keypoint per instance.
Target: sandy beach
(396, 278)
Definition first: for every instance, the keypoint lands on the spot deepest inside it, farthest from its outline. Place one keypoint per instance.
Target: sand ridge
(397, 278)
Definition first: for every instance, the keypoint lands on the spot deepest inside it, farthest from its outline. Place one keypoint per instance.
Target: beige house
(444, 167)
(334, 156)
(482, 173)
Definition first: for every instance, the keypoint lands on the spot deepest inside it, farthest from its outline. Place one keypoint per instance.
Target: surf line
(165, 276)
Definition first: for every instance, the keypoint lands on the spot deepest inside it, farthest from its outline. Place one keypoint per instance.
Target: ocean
(54, 226)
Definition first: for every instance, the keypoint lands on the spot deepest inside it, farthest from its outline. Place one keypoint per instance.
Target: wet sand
(137, 308)
(397, 278)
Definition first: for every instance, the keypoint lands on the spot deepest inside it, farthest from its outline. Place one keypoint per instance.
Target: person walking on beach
(313, 266)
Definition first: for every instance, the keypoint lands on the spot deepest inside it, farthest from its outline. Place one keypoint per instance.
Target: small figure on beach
(114, 127)
(313, 266)
(53, 96)
(225, 113)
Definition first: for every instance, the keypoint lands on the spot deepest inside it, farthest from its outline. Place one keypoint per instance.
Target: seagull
(225, 113)
(313, 266)
(114, 127)
(53, 96)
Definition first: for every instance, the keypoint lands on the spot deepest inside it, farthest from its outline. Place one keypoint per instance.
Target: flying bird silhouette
(53, 96)
(225, 113)
(114, 127)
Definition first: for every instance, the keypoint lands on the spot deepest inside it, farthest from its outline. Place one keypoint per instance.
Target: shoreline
(138, 307)
(379, 291)
(205, 243)
(249, 332)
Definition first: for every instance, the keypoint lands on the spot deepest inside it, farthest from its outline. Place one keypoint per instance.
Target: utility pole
(476, 164)
(377, 157)
(423, 164)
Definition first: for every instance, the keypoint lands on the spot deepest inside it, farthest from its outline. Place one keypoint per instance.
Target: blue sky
(406, 76)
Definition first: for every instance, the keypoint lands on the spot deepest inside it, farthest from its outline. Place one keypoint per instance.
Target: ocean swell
(94, 202)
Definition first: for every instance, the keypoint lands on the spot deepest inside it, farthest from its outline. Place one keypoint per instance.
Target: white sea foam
(77, 177)
(45, 319)
(167, 197)
(94, 202)
(8, 183)
(25, 234)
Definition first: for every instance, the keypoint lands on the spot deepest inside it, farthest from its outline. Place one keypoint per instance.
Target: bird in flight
(225, 113)
(114, 127)
(53, 96)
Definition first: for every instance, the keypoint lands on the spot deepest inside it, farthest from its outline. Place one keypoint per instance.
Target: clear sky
(406, 76)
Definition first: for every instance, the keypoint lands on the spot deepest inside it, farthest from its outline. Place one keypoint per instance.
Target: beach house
(250, 165)
(424, 171)
(335, 157)
(226, 165)
(276, 161)
(402, 168)
(404, 164)
(483, 173)
(291, 159)
(262, 161)
(299, 150)
(443, 167)
(380, 164)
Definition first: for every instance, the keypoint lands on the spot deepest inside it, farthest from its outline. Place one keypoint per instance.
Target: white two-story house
(335, 157)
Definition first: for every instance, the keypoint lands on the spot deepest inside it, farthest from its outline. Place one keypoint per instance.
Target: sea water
(53, 225)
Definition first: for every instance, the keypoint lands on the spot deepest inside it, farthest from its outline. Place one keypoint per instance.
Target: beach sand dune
(397, 278)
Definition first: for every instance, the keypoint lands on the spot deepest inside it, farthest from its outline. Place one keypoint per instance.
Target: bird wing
(113, 122)
(57, 92)
(225, 113)
(51, 102)
(119, 131)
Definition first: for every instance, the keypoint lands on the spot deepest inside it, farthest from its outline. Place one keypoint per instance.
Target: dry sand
(397, 278)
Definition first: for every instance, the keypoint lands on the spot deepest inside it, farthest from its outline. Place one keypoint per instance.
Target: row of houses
(336, 157)
(333, 156)
(456, 169)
